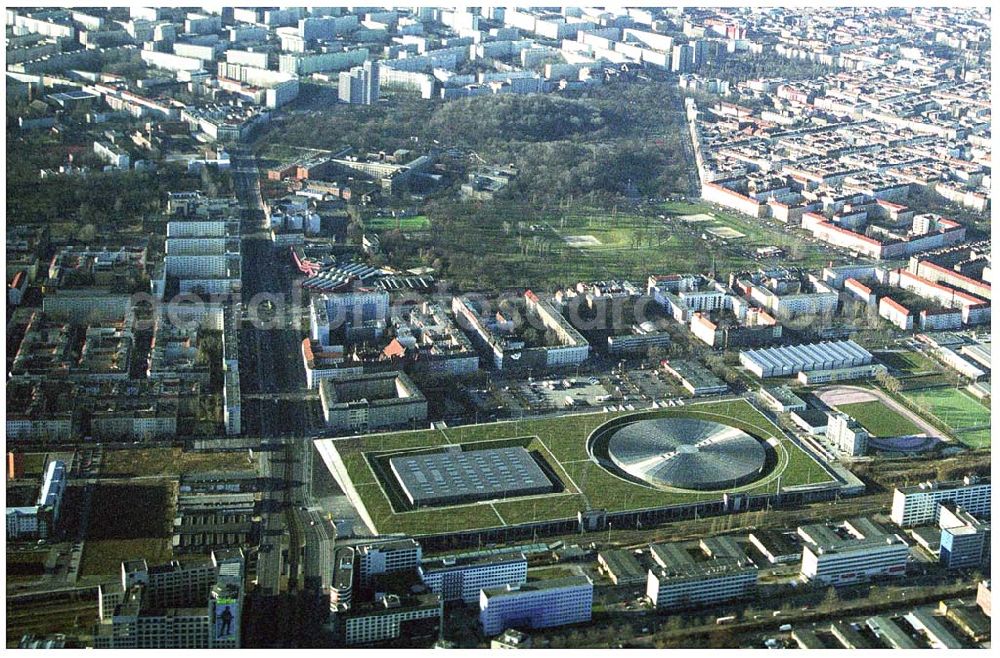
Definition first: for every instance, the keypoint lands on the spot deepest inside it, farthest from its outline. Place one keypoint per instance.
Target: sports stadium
(529, 472)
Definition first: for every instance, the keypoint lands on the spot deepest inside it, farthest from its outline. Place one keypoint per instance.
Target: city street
(275, 403)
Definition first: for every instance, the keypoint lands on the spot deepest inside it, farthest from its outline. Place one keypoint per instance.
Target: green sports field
(965, 416)
(878, 419)
(562, 443)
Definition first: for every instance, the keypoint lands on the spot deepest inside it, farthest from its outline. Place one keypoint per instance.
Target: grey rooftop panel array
(455, 476)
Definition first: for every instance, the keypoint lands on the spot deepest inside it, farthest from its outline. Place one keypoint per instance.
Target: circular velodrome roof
(687, 453)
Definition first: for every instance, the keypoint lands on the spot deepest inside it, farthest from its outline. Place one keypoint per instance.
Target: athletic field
(967, 418)
(878, 419)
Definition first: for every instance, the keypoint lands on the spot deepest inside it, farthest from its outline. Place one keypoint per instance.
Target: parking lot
(613, 387)
(564, 393)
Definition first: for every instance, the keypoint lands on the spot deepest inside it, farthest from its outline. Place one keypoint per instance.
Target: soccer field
(878, 419)
(562, 443)
(415, 223)
(965, 416)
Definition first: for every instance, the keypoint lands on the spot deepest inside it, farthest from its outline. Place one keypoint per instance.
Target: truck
(728, 619)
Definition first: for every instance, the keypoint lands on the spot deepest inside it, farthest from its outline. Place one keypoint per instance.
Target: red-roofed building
(324, 362)
(860, 291)
(15, 291)
(940, 319)
(895, 313)
(394, 350)
(940, 274)
(949, 297)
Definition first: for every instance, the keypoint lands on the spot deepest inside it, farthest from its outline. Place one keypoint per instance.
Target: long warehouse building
(792, 359)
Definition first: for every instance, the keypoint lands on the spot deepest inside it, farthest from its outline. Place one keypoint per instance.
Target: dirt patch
(835, 397)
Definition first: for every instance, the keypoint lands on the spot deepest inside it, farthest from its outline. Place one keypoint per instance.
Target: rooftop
(537, 586)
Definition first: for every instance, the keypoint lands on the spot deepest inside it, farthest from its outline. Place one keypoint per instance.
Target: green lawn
(562, 442)
(965, 416)
(878, 419)
(529, 247)
(909, 363)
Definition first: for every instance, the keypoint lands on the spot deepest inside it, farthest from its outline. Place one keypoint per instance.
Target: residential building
(965, 540)
(193, 606)
(360, 85)
(41, 519)
(497, 338)
(111, 154)
(896, 313)
(413, 619)
(370, 402)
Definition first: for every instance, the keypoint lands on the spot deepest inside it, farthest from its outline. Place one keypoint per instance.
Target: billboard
(227, 618)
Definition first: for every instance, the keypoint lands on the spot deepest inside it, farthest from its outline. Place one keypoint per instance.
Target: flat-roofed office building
(541, 604)
(463, 579)
(918, 505)
(682, 582)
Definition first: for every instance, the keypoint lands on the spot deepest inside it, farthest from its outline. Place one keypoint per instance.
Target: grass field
(910, 363)
(415, 223)
(171, 462)
(757, 233)
(563, 444)
(965, 416)
(33, 464)
(878, 419)
(541, 245)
